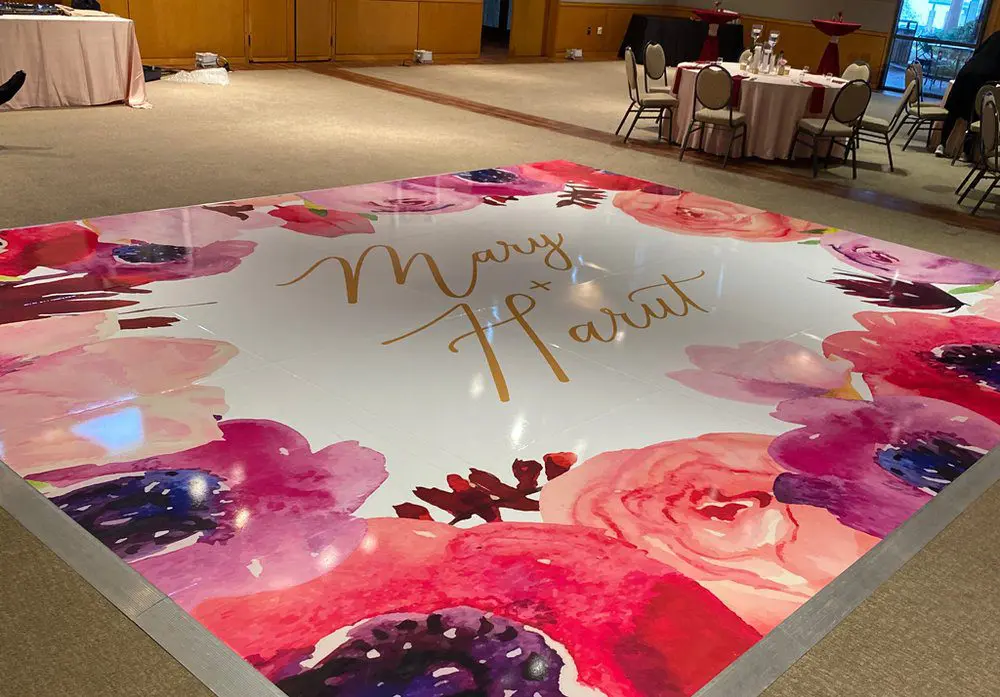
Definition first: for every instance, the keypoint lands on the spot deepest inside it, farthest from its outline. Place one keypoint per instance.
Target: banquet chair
(841, 122)
(858, 70)
(977, 109)
(988, 166)
(661, 103)
(713, 89)
(924, 115)
(654, 67)
(874, 129)
(746, 56)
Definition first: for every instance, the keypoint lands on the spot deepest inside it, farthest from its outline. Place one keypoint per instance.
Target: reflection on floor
(539, 428)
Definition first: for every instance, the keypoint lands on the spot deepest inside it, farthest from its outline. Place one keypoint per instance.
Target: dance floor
(528, 431)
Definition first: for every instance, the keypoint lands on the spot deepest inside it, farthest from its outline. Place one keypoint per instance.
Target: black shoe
(12, 87)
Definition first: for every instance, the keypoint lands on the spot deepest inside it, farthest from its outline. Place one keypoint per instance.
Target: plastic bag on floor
(206, 76)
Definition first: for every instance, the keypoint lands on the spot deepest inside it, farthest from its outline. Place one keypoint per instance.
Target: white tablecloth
(72, 61)
(773, 106)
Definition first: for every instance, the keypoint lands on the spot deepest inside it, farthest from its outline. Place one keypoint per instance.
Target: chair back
(903, 101)
(851, 102)
(914, 77)
(977, 107)
(713, 88)
(631, 75)
(858, 70)
(989, 134)
(746, 56)
(654, 62)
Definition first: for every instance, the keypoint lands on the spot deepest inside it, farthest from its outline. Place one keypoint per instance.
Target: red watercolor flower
(25, 249)
(322, 222)
(570, 172)
(629, 625)
(955, 358)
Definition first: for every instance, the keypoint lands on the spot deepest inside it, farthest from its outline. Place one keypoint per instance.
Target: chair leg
(743, 143)
(913, 132)
(899, 127)
(670, 136)
(729, 147)
(634, 122)
(972, 171)
(659, 123)
(888, 149)
(815, 157)
(972, 186)
(954, 157)
(684, 143)
(986, 195)
(627, 112)
(829, 154)
(854, 160)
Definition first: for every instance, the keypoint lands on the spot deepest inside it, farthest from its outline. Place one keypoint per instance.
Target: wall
(171, 31)
(800, 40)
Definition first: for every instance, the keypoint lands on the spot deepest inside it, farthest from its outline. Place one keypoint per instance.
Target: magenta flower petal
(888, 259)
(873, 464)
(253, 511)
(506, 181)
(763, 372)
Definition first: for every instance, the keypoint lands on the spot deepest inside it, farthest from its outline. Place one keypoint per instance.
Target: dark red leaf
(526, 472)
(412, 511)
(457, 483)
(557, 464)
(502, 495)
(461, 504)
(146, 322)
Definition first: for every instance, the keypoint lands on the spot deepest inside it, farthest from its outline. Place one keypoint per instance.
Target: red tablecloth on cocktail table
(830, 62)
(710, 47)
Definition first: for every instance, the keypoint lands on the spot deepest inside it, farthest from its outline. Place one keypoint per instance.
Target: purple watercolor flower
(256, 510)
(506, 181)
(393, 198)
(762, 372)
(873, 464)
(895, 260)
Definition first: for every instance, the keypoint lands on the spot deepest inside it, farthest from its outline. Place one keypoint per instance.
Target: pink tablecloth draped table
(773, 106)
(72, 61)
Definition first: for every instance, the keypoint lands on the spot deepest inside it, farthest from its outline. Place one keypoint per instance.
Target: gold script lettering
(518, 315)
(658, 308)
(555, 258)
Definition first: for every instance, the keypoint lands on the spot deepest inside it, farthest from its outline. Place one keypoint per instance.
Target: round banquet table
(773, 106)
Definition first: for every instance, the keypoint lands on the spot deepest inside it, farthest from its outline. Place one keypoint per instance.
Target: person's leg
(946, 129)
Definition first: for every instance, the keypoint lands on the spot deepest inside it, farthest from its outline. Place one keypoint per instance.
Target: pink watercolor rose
(989, 305)
(688, 213)
(392, 198)
(763, 372)
(193, 226)
(71, 392)
(706, 507)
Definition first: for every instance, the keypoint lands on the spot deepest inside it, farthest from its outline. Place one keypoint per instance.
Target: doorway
(940, 35)
(497, 16)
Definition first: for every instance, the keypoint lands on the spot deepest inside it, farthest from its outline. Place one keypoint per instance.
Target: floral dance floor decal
(528, 431)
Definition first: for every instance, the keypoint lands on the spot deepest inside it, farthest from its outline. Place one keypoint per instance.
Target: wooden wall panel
(527, 32)
(171, 31)
(313, 30)
(578, 25)
(271, 24)
(115, 7)
(450, 27)
(993, 19)
(803, 44)
(370, 28)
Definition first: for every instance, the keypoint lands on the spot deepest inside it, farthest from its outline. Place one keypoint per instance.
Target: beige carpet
(593, 94)
(930, 631)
